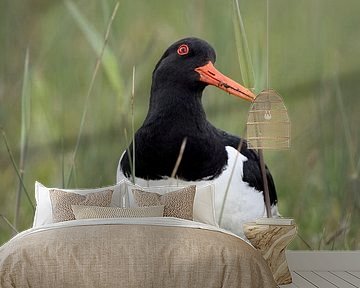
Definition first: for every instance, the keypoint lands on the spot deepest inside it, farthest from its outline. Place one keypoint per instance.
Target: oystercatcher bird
(175, 113)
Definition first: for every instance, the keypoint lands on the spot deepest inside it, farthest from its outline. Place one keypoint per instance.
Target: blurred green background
(314, 64)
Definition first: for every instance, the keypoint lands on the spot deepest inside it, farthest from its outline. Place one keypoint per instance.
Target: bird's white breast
(241, 203)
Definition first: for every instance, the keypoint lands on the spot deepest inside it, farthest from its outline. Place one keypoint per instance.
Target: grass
(317, 179)
(24, 138)
(242, 47)
(179, 158)
(133, 164)
(18, 172)
(249, 76)
(9, 224)
(94, 40)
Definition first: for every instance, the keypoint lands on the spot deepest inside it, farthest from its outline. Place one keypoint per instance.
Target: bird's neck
(176, 113)
(176, 102)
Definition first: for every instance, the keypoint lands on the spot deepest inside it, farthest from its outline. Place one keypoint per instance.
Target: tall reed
(242, 47)
(71, 6)
(25, 128)
(16, 168)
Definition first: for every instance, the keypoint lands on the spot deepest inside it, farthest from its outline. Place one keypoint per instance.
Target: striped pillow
(94, 212)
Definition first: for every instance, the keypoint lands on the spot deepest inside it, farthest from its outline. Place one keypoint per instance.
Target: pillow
(90, 212)
(177, 204)
(43, 212)
(61, 202)
(204, 205)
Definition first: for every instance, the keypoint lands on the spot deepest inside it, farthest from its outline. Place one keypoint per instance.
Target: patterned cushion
(43, 213)
(91, 212)
(61, 202)
(177, 203)
(204, 201)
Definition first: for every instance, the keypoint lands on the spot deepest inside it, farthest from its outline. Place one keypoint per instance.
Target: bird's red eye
(183, 49)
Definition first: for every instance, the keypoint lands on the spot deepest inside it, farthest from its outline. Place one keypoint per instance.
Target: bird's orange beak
(210, 75)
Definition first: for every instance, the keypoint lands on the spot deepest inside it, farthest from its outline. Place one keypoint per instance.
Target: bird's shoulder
(235, 141)
(251, 167)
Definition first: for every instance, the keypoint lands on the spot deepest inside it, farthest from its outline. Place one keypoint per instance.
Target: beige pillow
(91, 212)
(177, 203)
(204, 201)
(61, 202)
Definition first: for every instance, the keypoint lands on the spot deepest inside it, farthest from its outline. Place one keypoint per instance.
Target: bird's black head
(188, 64)
(178, 63)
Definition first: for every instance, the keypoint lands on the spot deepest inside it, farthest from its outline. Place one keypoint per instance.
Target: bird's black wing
(251, 169)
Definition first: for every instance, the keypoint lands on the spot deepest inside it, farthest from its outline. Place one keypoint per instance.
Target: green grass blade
(16, 168)
(25, 127)
(130, 157)
(179, 158)
(97, 65)
(259, 69)
(304, 241)
(242, 47)
(132, 121)
(96, 40)
(247, 74)
(345, 125)
(62, 142)
(25, 107)
(62, 162)
(9, 223)
(229, 181)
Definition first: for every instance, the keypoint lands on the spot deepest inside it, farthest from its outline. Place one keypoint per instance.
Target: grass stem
(230, 179)
(83, 118)
(132, 123)
(179, 158)
(304, 241)
(25, 127)
(242, 47)
(345, 126)
(9, 223)
(130, 157)
(16, 168)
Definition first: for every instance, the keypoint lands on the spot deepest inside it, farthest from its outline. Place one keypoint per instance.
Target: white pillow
(43, 212)
(204, 205)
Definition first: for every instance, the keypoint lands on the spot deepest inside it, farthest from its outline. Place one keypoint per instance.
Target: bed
(131, 252)
(127, 235)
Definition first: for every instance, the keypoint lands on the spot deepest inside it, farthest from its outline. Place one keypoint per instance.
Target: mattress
(131, 252)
